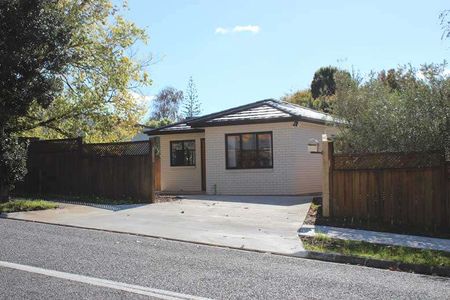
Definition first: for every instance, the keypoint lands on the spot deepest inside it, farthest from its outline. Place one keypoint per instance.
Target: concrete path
(263, 223)
(377, 237)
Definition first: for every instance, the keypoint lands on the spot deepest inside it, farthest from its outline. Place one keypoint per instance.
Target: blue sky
(242, 51)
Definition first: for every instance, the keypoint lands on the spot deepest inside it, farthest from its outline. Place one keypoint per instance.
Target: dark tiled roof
(180, 127)
(257, 112)
(262, 112)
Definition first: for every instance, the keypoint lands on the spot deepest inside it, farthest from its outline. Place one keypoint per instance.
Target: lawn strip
(321, 243)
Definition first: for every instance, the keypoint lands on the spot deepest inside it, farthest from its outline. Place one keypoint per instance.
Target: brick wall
(295, 170)
(178, 179)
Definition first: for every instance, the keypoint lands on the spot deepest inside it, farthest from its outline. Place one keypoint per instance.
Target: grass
(25, 205)
(323, 243)
(81, 199)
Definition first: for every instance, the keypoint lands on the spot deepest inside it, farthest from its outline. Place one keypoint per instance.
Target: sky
(242, 51)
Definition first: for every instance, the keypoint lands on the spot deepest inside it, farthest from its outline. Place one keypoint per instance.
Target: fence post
(327, 166)
(152, 164)
(80, 145)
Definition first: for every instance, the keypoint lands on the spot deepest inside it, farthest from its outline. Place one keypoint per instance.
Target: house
(254, 149)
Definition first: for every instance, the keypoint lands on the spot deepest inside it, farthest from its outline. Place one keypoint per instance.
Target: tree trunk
(4, 193)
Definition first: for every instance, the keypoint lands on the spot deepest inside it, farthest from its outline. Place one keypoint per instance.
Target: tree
(323, 83)
(96, 101)
(153, 123)
(167, 104)
(191, 102)
(34, 51)
(376, 118)
(300, 97)
(445, 23)
(389, 78)
(322, 93)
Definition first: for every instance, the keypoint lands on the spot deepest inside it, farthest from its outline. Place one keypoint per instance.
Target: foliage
(304, 98)
(26, 205)
(323, 243)
(413, 117)
(322, 93)
(153, 123)
(191, 102)
(167, 104)
(12, 162)
(323, 83)
(389, 79)
(300, 97)
(34, 49)
(96, 102)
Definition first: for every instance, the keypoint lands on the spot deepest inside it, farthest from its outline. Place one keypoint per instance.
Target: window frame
(240, 148)
(183, 142)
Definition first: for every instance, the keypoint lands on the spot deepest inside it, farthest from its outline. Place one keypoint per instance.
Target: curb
(379, 264)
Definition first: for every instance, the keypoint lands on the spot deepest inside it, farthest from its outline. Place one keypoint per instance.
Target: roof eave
(164, 132)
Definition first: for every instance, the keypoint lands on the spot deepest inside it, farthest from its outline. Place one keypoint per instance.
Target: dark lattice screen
(387, 160)
(54, 146)
(117, 149)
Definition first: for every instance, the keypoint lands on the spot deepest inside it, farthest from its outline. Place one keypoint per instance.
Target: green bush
(409, 110)
(12, 163)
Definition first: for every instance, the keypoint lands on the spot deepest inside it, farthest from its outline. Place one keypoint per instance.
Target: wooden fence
(109, 170)
(157, 172)
(406, 189)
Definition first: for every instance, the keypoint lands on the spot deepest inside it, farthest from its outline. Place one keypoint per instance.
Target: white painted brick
(295, 170)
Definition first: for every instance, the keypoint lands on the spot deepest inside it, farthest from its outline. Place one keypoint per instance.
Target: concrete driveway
(263, 223)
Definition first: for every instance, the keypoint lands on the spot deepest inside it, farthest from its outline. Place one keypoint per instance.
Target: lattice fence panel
(54, 146)
(387, 160)
(117, 149)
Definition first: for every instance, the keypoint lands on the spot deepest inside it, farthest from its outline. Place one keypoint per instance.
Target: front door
(202, 154)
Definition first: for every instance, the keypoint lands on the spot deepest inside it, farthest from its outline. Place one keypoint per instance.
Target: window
(249, 150)
(182, 153)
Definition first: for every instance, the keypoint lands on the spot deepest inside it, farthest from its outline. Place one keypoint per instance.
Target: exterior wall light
(313, 146)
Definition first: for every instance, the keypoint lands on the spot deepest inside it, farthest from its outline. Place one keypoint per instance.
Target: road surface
(39, 261)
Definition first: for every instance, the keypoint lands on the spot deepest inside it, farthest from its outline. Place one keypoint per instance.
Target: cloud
(142, 99)
(247, 28)
(221, 30)
(238, 28)
(420, 75)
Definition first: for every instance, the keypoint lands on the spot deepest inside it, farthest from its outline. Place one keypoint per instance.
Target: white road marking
(136, 289)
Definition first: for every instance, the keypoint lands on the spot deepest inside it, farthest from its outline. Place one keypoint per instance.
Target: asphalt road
(185, 268)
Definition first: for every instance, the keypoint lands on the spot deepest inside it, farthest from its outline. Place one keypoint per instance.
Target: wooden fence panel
(110, 170)
(157, 172)
(408, 189)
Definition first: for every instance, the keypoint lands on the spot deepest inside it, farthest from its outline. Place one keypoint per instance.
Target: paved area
(377, 237)
(263, 223)
(197, 270)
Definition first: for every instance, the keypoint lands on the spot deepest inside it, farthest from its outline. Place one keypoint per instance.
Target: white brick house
(255, 149)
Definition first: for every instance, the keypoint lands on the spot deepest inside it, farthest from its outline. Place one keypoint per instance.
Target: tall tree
(167, 104)
(34, 51)
(191, 103)
(445, 23)
(96, 101)
(323, 83)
